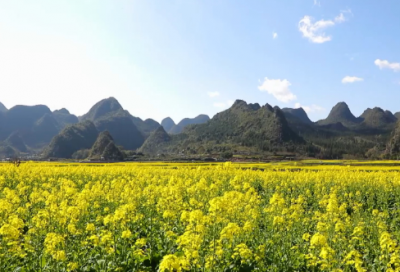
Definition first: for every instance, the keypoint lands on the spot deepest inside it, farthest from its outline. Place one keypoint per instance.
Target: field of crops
(199, 217)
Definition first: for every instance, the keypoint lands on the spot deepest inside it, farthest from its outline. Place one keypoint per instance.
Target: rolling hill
(71, 139)
(298, 113)
(241, 126)
(2, 108)
(340, 113)
(108, 114)
(178, 128)
(167, 123)
(104, 148)
(244, 127)
(155, 141)
(377, 118)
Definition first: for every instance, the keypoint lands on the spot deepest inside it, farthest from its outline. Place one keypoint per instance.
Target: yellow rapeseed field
(198, 217)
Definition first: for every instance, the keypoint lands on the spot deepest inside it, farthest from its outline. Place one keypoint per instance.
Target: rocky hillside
(35, 125)
(102, 108)
(71, 139)
(110, 110)
(21, 118)
(249, 124)
(298, 113)
(15, 141)
(167, 123)
(377, 118)
(156, 141)
(178, 128)
(146, 127)
(43, 131)
(2, 108)
(123, 131)
(242, 126)
(340, 113)
(65, 118)
(105, 149)
(393, 145)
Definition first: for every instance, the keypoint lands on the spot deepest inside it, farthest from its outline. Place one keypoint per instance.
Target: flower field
(194, 217)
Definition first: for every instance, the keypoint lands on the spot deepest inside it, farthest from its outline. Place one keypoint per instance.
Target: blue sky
(181, 58)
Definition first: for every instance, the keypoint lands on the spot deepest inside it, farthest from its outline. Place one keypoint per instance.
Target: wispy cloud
(340, 18)
(274, 35)
(308, 109)
(314, 30)
(279, 88)
(351, 79)
(382, 64)
(213, 94)
(317, 3)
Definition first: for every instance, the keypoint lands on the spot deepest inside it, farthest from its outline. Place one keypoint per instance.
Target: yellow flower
(318, 240)
(107, 219)
(339, 227)
(110, 250)
(72, 228)
(322, 227)
(52, 242)
(173, 263)
(90, 227)
(141, 242)
(229, 231)
(126, 234)
(278, 220)
(95, 240)
(72, 266)
(59, 255)
(243, 252)
(306, 236)
(326, 253)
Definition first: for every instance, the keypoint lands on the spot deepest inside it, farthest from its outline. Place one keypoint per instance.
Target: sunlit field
(294, 216)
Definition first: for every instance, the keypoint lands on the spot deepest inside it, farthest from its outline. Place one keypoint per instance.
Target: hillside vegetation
(104, 148)
(71, 139)
(242, 129)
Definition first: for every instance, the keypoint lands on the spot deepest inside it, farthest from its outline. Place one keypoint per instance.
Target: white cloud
(314, 30)
(382, 64)
(340, 18)
(213, 94)
(308, 109)
(279, 88)
(351, 79)
(274, 35)
(317, 3)
(226, 104)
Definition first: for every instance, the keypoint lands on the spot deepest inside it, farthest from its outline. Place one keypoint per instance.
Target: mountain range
(2, 107)
(172, 128)
(108, 130)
